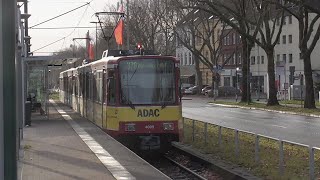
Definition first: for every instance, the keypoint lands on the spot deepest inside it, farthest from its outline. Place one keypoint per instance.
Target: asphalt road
(295, 128)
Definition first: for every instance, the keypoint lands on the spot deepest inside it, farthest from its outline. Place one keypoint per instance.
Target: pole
(258, 73)
(248, 73)
(26, 25)
(8, 129)
(1, 97)
(128, 27)
(96, 55)
(285, 82)
(236, 70)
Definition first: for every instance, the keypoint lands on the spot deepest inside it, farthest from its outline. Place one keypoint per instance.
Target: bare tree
(252, 17)
(308, 38)
(201, 33)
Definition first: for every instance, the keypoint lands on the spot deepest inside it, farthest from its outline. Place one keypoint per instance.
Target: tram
(134, 98)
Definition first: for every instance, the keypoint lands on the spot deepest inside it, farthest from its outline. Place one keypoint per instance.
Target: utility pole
(128, 27)
(96, 46)
(8, 128)
(259, 61)
(86, 38)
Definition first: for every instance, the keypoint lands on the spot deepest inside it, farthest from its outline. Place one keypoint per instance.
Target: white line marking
(279, 126)
(116, 169)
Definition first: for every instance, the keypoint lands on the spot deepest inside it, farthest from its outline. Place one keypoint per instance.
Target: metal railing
(257, 137)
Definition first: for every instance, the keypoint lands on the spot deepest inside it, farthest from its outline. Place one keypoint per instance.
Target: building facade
(289, 65)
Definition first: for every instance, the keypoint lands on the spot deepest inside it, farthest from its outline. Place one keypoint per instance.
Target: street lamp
(237, 69)
(96, 49)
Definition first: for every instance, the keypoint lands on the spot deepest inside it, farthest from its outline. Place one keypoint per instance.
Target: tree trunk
(309, 101)
(245, 87)
(198, 75)
(271, 75)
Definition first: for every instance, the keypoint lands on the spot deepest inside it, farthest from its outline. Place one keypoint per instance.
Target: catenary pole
(7, 94)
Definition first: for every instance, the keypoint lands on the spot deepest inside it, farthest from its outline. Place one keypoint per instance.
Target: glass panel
(147, 81)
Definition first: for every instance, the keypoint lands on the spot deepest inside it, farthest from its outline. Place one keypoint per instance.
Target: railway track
(190, 171)
(178, 165)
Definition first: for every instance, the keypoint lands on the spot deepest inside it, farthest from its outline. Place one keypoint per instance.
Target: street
(295, 128)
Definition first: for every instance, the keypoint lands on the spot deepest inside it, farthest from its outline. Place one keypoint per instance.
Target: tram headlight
(168, 126)
(130, 127)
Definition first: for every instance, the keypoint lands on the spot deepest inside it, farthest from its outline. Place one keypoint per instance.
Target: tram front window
(147, 81)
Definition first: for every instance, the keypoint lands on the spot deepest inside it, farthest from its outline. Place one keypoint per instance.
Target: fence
(267, 156)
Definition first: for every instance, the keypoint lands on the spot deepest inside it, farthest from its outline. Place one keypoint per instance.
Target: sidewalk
(52, 151)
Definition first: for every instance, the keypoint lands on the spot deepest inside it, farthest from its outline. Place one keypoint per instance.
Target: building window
(226, 81)
(234, 59)
(290, 19)
(278, 57)
(185, 59)
(290, 58)
(239, 58)
(262, 59)
(290, 39)
(198, 38)
(284, 39)
(227, 40)
(192, 59)
(207, 56)
(284, 57)
(253, 60)
(258, 59)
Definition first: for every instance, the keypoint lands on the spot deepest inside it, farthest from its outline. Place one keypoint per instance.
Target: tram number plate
(149, 126)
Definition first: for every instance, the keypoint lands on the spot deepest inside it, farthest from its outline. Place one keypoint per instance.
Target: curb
(224, 166)
(263, 109)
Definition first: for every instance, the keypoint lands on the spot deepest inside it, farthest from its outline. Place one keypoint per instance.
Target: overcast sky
(42, 10)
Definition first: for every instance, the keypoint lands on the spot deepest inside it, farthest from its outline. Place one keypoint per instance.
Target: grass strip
(275, 108)
(296, 158)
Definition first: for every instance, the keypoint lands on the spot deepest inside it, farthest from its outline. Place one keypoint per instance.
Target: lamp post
(259, 61)
(237, 81)
(96, 49)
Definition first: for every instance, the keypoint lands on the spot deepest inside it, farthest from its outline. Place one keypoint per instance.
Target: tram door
(86, 93)
(104, 95)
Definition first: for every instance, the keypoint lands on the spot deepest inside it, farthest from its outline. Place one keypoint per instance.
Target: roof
(49, 60)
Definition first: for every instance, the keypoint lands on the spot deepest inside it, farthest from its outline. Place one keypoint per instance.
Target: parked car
(191, 90)
(225, 91)
(184, 87)
(205, 89)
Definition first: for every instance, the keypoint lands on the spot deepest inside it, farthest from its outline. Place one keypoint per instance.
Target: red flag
(118, 32)
(91, 53)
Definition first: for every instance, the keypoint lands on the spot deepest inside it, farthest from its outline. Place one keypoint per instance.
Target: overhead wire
(54, 28)
(65, 36)
(60, 15)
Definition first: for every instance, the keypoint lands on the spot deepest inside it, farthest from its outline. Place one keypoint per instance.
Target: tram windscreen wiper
(127, 101)
(164, 105)
(131, 105)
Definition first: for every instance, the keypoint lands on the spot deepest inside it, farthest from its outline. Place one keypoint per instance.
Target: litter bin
(27, 113)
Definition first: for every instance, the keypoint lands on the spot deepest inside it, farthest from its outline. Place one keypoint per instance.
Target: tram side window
(99, 87)
(111, 89)
(80, 85)
(76, 86)
(94, 84)
(87, 86)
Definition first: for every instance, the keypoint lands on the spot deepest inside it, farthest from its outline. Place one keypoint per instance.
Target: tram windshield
(147, 81)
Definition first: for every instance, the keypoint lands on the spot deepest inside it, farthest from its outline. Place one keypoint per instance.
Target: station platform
(66, 146)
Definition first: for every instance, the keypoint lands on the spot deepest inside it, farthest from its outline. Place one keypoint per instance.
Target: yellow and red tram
(134, 98)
